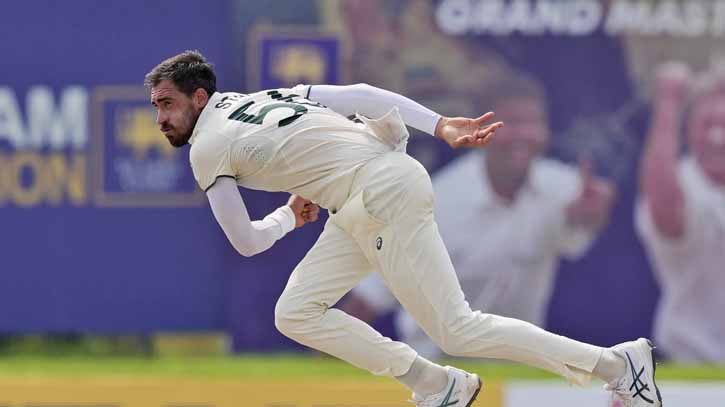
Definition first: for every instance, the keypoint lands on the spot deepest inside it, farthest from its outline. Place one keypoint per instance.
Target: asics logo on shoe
(638, 386)
(445, 402)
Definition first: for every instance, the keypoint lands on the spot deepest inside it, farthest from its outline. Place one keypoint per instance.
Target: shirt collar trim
(205, 115)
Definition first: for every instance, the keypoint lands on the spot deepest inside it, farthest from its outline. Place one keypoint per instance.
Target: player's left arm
(252, 237)
(375, 102)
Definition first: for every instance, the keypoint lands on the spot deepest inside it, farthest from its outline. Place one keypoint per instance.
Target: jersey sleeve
(210, 159)
(374, 103)
(248, 237)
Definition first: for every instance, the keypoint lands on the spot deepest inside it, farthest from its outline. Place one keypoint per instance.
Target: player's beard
(186, 128)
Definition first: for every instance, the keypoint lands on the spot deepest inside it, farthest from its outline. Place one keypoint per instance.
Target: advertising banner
(102, 226)
(521, 394)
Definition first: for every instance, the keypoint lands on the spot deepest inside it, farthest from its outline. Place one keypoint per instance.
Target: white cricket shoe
(461, 391)
(637, 388)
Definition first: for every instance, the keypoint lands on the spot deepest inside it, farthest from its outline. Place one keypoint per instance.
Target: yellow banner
(170, 392)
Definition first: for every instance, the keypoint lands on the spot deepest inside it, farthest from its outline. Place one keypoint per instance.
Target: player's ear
(200, 97)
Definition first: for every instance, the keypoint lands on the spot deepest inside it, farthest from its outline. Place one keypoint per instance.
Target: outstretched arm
(375, 102)
(251, 237)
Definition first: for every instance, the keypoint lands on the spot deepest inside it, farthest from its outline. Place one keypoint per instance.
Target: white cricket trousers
(387, 226)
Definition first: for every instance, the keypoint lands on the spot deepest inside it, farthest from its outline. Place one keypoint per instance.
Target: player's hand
(591, 208)
(305, 210)
(464, 132)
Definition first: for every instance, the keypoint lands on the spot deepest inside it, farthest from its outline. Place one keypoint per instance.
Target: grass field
(275, 366)
(254, 381)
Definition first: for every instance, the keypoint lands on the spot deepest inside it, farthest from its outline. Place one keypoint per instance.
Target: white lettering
(718, 19)
(530, 17)
(549, 15)
(487, 17)
(689, 18)
(65, 125)
(452, 16)
(626, 17)
(11, 124)
(666, 19)
(517, 17)
(695, 16)
(586, 17)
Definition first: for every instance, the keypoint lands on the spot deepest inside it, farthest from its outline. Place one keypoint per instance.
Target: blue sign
(279, 59)
(134, 165)
(102, 227)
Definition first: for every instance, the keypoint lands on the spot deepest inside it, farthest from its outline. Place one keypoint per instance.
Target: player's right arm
(659, 182)
(248, 237)
(210, 161)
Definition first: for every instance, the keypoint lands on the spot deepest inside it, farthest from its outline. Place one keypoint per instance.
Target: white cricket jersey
(689, 322)
(277, 140)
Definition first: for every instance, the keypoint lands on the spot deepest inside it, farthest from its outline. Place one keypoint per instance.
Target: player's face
(707, 137)
(176, 112)
(524, 136)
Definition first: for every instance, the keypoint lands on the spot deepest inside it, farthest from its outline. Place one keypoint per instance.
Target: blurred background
(598, 212)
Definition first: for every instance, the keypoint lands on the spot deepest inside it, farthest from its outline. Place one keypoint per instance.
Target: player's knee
(285, 318)
(457, 337)
(450, 344)
(453, 347)
(292, 318)
(446, 340)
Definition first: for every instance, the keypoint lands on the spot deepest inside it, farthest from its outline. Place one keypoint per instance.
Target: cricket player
(300, 140)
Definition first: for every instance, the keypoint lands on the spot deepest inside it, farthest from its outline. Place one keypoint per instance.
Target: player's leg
(369, 299)
(409, 332)
(419, 273)
(397, 193)
(330, 269)
(415, 264)
(420, 375)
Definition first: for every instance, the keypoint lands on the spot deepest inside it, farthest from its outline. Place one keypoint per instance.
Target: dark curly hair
(189, 71)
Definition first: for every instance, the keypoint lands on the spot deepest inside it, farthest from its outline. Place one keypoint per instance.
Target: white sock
(610, 367)
(425, 377)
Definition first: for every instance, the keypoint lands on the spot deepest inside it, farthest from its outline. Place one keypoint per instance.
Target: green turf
(281, 366)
